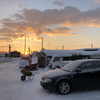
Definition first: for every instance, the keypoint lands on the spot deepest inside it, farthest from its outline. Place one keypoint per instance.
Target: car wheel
(57, 67)
(63, 87)
(23, 78)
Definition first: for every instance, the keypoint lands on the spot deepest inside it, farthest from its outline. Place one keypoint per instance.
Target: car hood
(55, 73)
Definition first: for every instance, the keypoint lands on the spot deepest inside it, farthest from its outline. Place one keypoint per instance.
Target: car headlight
(46, 79)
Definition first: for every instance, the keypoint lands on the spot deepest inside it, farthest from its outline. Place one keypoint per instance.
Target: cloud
(4, 2)
(8, 0)
(97, 1)
(59, 2)
(50, 22)
(58, 31)
(56, 2)
(7, 34)
(11, 0)
(18, 7)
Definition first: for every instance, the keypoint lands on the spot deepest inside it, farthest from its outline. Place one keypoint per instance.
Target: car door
(96, 73)
(57, 62)
(83, 75)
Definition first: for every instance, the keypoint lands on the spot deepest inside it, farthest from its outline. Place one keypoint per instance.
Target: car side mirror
(78, 70)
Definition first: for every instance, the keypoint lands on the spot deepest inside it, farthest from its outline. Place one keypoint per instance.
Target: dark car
(79, 73)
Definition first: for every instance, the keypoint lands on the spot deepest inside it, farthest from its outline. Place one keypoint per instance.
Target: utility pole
(9, 51)
(63, 47)
(91, 45)
(42, 42)
(24, 44)
(29, 50)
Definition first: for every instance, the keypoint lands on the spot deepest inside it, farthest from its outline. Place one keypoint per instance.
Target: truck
(58, 61)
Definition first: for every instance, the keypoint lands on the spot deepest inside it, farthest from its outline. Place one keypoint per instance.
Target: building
(2, 54)
(88, 53)
(15, 54)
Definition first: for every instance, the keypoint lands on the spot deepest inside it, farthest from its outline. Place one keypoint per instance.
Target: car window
(56, 59)
(97, 64)
(86, 66)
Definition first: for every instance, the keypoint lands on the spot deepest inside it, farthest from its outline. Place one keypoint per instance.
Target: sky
(63, 24)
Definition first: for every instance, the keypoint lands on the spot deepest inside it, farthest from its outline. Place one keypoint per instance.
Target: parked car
(79, 73)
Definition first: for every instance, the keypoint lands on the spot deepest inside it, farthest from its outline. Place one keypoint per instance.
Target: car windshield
(71, 66)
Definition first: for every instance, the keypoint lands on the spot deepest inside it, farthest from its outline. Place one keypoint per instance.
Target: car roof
(86, 60)
(72, 65)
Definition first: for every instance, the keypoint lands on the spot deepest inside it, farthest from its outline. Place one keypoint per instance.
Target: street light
(42, 41)
(25, 44)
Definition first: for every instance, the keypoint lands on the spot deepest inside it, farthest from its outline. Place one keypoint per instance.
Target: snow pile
(23, 63)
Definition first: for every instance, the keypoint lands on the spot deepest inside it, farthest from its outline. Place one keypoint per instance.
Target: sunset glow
(26, 53)
(63, 24)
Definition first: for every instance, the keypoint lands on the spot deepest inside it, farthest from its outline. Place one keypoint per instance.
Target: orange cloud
(50, 22)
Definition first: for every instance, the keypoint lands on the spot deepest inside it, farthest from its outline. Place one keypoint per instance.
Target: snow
(23, 63)
(12, 88)
(89, 52)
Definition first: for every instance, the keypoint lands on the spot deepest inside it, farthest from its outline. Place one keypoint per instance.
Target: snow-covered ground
(12, 88)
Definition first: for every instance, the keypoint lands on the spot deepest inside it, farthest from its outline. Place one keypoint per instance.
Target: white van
(57, 62)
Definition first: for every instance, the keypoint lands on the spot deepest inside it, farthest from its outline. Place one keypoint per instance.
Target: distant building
(2, 54)
(15, 54)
